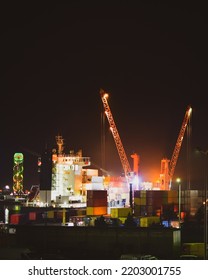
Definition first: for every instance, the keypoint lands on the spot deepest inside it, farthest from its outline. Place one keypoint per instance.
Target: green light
(18, 158)
(18, 173)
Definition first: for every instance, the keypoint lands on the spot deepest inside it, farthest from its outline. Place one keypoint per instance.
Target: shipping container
(50, 214)
(140, 201)
(32, 216)
(92, 202)
(16, 219)
(196, 249)
(148, 221)
(97, 179)
(140, 210)
(95, 194)
(139, 194)
(120, 212)
(96, 211)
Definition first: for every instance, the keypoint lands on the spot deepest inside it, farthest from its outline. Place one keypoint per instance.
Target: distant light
(39, 162)
(7, 187)
(70, 224)
(178, 180)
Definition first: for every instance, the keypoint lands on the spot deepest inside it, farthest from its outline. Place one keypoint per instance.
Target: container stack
(153, 201)
(96, 202)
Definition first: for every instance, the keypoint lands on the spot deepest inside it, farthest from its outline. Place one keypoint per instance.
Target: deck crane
(129, 174)
(168, 166)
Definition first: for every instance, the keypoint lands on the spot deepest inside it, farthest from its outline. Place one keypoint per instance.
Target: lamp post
(178, 180)
(205, 154)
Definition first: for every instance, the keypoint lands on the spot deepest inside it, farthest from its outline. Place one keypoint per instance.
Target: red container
(94, 202)
(96, 194)
(32, 216)
(15, 219)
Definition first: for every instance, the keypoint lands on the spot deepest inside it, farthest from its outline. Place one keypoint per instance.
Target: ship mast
(60, 144)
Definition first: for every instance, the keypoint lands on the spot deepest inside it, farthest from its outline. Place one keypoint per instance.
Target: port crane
(168, 166)
(129, 174)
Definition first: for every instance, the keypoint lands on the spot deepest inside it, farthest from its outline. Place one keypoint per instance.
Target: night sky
(151, 58)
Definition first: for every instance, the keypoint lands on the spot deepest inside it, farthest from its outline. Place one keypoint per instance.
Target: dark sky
(150, 56)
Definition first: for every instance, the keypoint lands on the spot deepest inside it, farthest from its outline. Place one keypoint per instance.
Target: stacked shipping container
(96, 202)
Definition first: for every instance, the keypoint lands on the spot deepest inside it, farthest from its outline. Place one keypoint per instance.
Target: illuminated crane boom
(177, 148)
(168, 166)
(119, 146)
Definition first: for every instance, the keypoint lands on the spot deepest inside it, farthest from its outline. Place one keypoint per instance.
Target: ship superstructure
(67, 173)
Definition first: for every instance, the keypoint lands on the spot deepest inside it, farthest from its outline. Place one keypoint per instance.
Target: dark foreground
(62, 242)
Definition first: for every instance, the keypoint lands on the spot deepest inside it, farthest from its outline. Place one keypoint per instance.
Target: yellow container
(120, 212)
(196, 249)
(140, 201)
(148, 221)
(50, 214)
